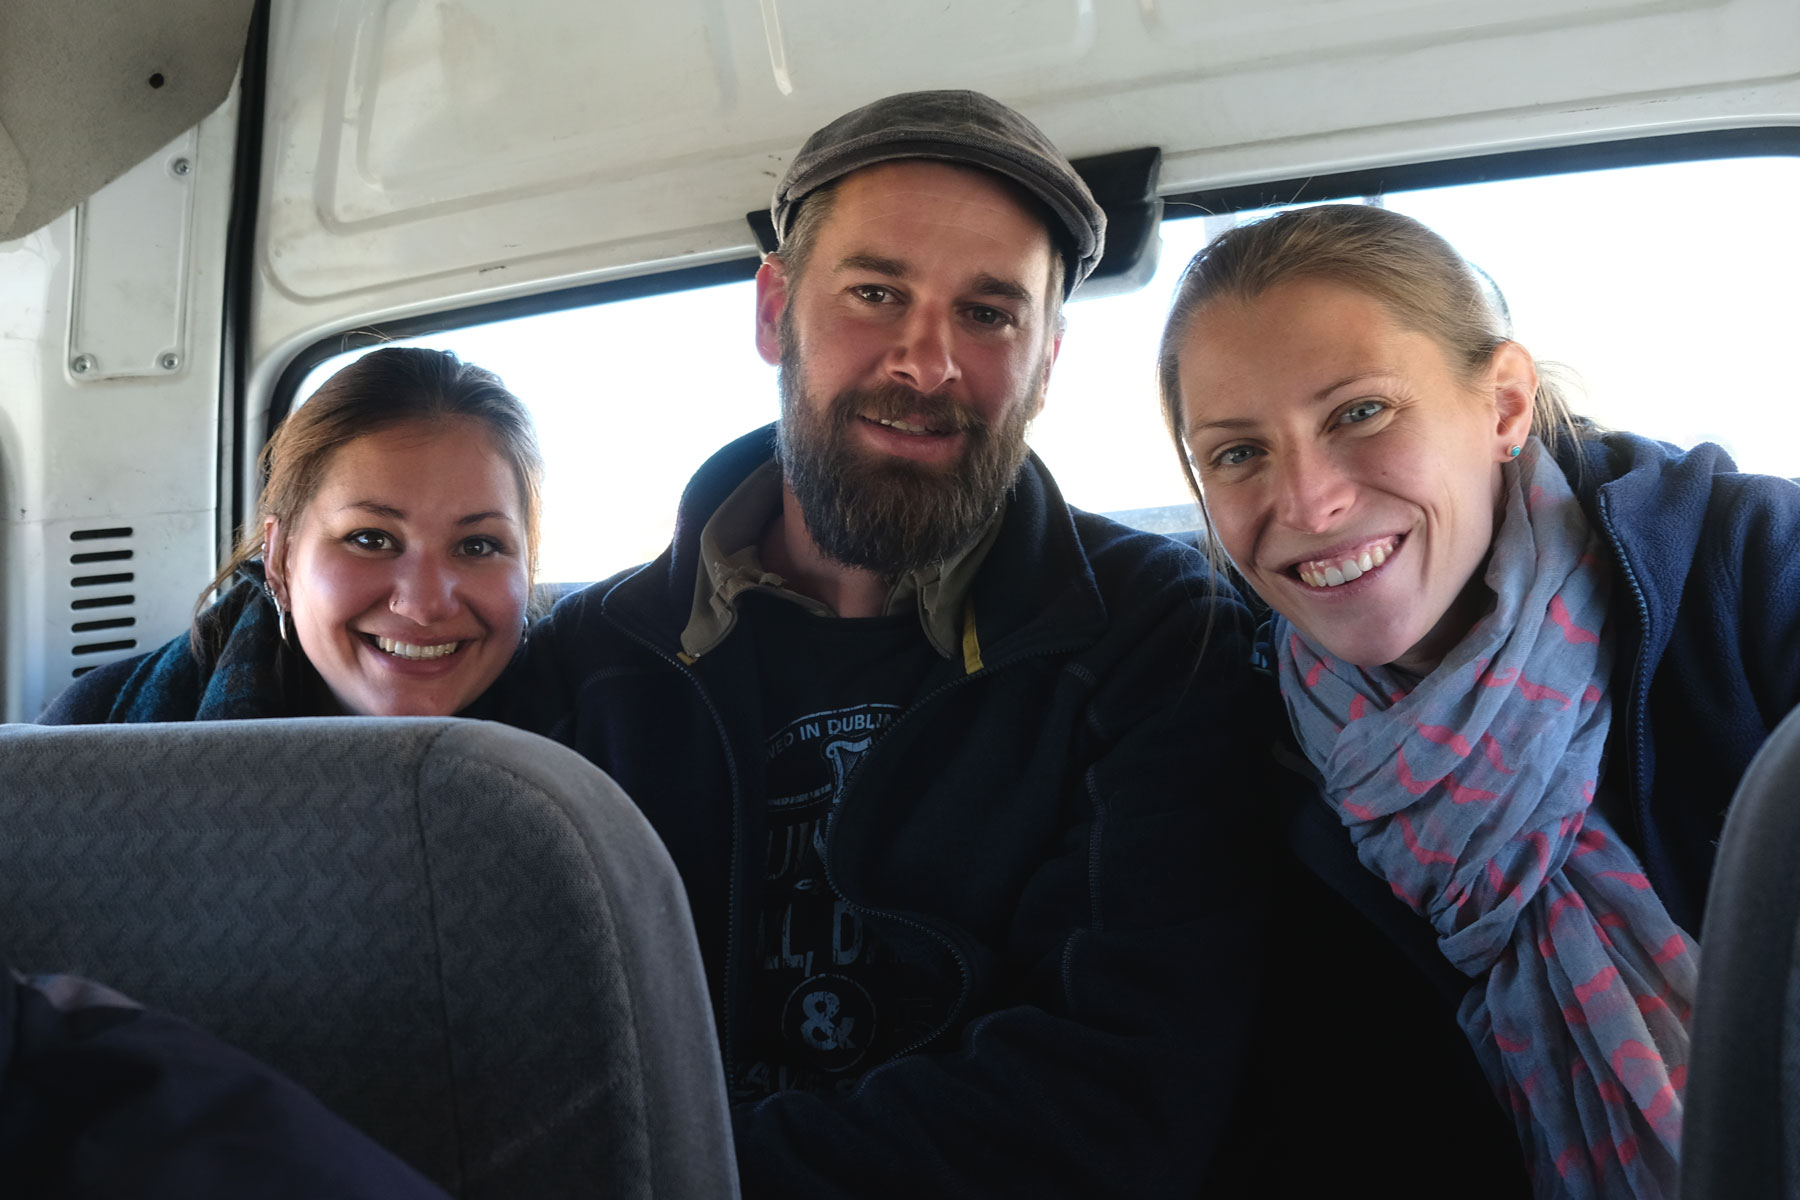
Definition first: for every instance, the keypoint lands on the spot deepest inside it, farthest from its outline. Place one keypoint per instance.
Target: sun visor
(88, 91)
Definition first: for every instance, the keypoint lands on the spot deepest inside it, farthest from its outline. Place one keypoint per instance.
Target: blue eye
(1361, 411)
(1234, 456)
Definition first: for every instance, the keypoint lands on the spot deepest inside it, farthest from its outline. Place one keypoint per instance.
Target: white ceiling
(426, 153)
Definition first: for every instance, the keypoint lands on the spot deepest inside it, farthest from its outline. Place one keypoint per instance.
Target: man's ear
(275, 559)
(771, 302)
(1056, 337)
(1513, 375)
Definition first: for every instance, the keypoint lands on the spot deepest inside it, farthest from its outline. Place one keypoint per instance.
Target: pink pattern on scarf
(1443, 736)
(1491, 748)
(1559, 615)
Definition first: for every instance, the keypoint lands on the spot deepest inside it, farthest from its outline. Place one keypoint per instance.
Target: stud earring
(1513, 451)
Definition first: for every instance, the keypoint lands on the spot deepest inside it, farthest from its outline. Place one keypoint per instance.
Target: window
(1666, 288)
(629, 398)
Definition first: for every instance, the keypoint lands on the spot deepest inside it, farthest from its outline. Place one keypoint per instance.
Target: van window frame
(1700, 146)
(1694, 146)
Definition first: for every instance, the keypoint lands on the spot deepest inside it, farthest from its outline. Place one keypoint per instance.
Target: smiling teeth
(1324, 574)
(408, 650)
(903, 426)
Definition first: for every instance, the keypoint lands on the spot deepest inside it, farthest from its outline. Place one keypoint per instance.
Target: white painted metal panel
(129, 307)
(126, 443)
(423, 154)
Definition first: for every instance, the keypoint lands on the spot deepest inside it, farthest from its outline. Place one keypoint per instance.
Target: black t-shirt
(832, 994)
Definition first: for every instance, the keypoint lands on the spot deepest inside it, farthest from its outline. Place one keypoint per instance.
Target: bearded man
(956, 776)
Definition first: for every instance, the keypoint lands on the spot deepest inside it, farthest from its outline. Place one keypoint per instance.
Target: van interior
(208, 205)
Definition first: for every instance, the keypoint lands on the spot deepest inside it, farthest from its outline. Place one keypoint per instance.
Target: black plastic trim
(1124, 183)
(1775, 142)
(240, 267)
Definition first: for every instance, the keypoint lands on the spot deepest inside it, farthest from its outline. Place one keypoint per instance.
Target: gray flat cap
(958, 127)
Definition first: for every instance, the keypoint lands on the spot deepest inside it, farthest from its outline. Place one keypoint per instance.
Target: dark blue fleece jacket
(1706, 606)
(104, 1100)
(1073, 822)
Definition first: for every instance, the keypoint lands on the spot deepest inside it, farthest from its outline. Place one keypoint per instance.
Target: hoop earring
(284, 620)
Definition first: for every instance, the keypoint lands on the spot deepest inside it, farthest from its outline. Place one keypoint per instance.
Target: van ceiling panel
(1235, 34)
(423, 154)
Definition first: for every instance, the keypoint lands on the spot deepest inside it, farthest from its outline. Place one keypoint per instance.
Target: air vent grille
(99, 625)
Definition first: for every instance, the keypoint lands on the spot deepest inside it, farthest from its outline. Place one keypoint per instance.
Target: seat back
(463, 938)
(1741, 1127)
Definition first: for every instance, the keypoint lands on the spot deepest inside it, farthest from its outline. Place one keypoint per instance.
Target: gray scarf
(1470, 793)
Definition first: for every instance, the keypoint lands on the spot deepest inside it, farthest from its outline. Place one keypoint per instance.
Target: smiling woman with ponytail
(1525, 662)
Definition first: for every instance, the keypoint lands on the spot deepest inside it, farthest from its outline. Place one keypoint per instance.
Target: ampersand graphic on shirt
(831, 1017)
(821, 1007)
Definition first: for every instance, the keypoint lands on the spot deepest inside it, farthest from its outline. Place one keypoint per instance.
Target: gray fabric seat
(462, 937)
(1741, 1127)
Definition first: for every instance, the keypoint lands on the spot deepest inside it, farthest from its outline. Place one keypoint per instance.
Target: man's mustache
(897, 402)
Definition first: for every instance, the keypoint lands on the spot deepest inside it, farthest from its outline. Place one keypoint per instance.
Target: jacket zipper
(1638, 684)
(962, 965)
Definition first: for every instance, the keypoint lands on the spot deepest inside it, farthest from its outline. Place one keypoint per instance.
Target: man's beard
(888, 515)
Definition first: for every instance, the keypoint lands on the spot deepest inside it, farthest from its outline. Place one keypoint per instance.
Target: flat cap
(959, 127)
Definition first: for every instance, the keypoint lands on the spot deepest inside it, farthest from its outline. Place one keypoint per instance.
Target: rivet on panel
(82, 364)
(181, 166)
(169, 361)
